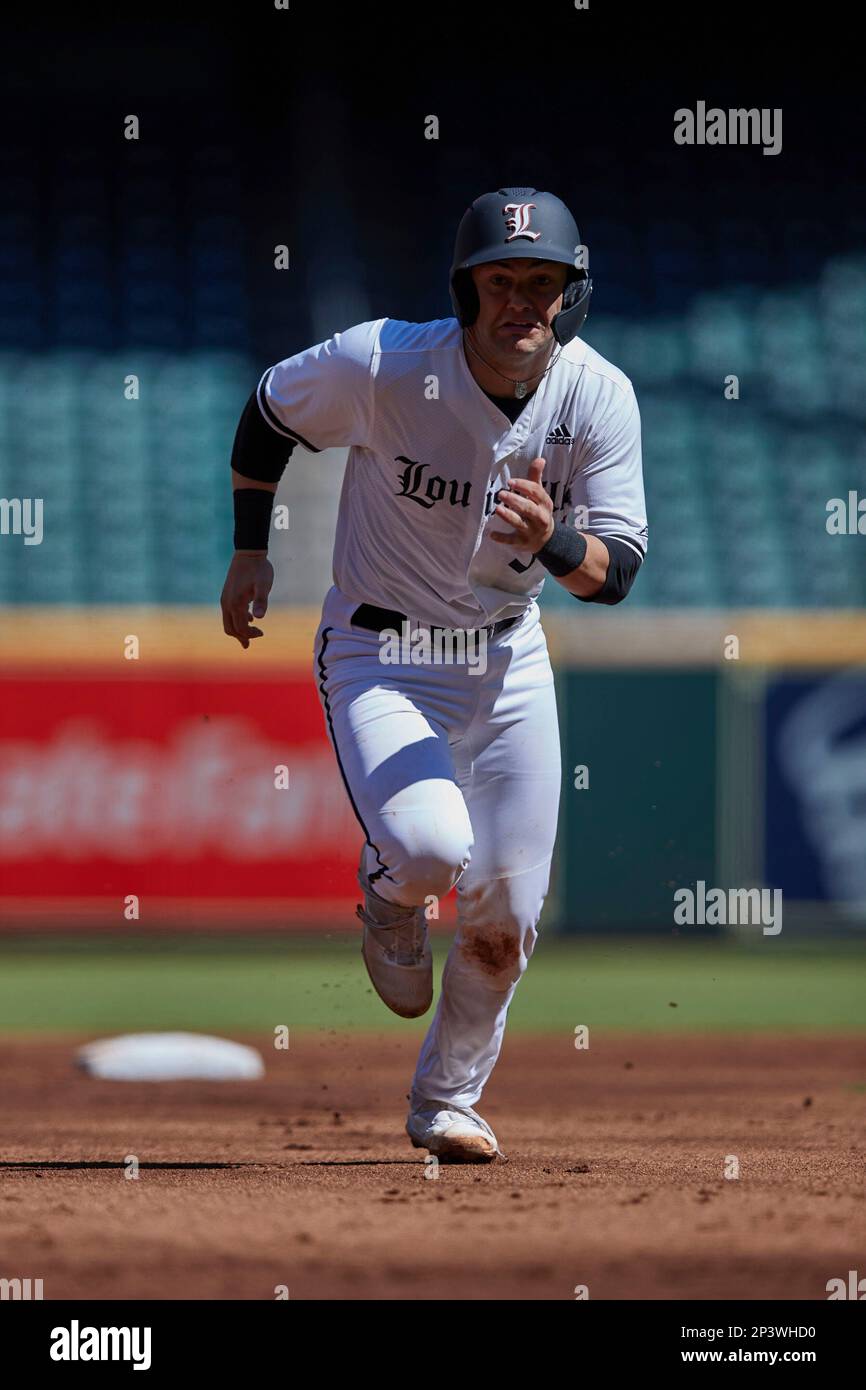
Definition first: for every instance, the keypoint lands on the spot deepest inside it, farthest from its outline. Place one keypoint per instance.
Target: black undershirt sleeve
(624, 565)
(259, 452)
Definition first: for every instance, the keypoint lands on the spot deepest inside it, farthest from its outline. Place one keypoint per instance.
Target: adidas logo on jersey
(560, 435)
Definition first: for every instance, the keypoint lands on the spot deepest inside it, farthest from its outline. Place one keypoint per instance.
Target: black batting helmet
(517, 222)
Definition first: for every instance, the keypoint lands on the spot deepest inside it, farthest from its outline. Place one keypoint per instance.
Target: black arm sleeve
(259, 452)
(624, 565)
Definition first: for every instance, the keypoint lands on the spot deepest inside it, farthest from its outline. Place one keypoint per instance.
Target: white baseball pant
(455, 779)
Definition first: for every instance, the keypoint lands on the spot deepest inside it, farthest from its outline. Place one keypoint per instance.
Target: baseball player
(486, 451)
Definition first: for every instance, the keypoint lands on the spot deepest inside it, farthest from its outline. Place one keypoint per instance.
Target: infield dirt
(614, 1179)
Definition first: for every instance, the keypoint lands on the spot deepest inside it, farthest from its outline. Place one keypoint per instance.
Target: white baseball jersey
(429, 452)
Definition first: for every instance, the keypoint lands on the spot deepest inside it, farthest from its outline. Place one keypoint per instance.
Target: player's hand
(528, 509)
(248, 582)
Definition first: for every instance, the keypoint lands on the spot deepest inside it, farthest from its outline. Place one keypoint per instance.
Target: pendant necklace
(520, 387)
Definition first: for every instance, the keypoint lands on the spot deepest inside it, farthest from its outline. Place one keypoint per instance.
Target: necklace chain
(520, 387)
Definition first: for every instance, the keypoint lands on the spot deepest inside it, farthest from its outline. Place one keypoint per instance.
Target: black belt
(377, 619)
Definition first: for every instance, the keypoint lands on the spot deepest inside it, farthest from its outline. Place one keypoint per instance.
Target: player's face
(518, 299)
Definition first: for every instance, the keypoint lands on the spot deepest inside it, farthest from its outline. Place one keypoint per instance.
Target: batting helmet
(517, 222)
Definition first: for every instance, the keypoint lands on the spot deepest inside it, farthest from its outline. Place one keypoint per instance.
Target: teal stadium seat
(720, 337)
(736, 490)
(656, 350)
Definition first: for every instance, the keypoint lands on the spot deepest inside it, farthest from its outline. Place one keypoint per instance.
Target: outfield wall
(141, 755)
(723, 749)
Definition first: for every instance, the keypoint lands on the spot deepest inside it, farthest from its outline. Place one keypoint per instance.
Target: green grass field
(245, 985)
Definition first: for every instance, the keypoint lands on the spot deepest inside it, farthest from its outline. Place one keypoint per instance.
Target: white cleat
(397, 956)
(455, 1134)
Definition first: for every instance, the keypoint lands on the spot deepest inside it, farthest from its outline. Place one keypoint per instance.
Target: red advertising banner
(204, 796)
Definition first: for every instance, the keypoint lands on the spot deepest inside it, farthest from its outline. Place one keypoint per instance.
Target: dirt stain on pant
(496, 951)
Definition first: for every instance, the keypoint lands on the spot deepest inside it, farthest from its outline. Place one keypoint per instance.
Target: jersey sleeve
(323, 397)
(607, 485)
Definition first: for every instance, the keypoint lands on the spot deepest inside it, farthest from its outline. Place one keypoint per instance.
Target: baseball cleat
(454, 1133)
(397, 954)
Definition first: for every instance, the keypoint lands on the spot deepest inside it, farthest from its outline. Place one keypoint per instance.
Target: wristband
(564, 551)
(253, 507)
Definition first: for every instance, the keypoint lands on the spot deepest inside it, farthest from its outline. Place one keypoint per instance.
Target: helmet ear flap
(575, 307)
(464, 298)
(572, 290)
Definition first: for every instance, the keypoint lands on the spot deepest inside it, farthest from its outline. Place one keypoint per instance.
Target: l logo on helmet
(518, 222)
